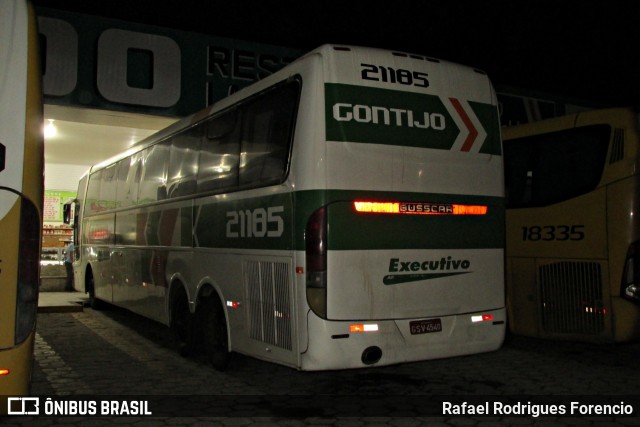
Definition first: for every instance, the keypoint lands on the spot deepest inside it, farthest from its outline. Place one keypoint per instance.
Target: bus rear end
(572, 232)
(404, 237)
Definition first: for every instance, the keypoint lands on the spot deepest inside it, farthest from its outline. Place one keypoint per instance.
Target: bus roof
(569, 121)
(483, 92)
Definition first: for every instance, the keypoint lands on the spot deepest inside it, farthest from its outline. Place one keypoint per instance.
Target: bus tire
(182, 324)
(94, 302)
(214, 333)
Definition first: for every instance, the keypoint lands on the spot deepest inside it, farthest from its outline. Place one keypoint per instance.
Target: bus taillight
(418, 208)
(316, 261)
(487, 317)
(630, 286)
(363, 327)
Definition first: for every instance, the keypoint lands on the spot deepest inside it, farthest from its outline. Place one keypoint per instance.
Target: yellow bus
(21, 191)
(572, 226)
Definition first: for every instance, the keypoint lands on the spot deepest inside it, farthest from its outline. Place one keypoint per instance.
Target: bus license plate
(425, 326)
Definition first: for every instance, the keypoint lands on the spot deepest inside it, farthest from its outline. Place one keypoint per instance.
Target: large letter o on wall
(113, 50)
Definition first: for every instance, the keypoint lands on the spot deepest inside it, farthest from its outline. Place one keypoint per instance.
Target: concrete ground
(113, 354)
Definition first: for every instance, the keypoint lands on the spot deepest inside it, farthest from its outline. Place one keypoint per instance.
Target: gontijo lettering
(344, 112)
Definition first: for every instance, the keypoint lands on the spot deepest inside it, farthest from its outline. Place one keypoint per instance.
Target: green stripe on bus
(265, 222)
(380, 231)
(349, 230)
(253, 223)
(488, 116)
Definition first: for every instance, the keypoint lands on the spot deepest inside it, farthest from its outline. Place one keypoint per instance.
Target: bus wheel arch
(213, 326)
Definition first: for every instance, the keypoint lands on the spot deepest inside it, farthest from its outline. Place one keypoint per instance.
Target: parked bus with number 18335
(346, 211)
(21, 193)
(573, 251)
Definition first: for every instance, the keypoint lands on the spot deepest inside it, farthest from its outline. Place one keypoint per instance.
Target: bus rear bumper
(361, 344)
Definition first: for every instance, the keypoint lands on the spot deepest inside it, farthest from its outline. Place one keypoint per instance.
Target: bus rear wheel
(182, 324)
(214, 333)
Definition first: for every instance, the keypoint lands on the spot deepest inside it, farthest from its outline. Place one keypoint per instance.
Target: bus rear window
(549, 168)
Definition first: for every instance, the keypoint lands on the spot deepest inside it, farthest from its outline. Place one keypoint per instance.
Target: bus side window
(219, 153)
(266, 136)
(108, 188)
(121, 182)
(183, 163)
(93, 192)
(128, 194)
(154, 173)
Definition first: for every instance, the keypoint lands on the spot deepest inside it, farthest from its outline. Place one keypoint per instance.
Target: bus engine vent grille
(617, 146)
(269, 302)
(571, 298)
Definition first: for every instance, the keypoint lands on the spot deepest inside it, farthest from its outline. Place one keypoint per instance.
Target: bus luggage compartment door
(390, 266)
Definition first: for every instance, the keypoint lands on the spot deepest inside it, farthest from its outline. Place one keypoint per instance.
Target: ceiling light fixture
(50, 129)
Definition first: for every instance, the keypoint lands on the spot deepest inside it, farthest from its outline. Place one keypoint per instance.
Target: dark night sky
(576, 50)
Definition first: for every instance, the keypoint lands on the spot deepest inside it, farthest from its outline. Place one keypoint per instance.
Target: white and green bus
(346, 211)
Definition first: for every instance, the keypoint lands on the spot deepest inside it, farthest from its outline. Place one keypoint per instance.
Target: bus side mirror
(66, 213)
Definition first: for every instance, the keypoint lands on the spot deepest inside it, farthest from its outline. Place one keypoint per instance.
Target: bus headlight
(630, 287)
(632, 291)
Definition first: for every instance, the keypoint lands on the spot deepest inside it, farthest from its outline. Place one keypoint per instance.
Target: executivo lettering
(424, 270)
